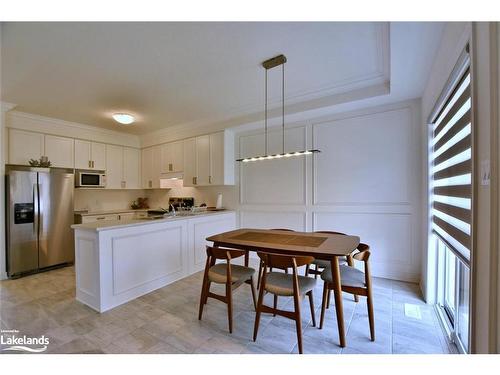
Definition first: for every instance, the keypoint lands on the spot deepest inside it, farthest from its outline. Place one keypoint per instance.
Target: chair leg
(275, 304)
(316, 272)
(311, 304)
(258, 312)
(259, 276)
(323, 305)
(298, 321)
(356, 298)
(371, 318)
(328, 300)
(203, 297)
(254, 298)
(307, 270)
(229, 297)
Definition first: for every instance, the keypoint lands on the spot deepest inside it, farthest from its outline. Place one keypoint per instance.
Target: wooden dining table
(324, 246)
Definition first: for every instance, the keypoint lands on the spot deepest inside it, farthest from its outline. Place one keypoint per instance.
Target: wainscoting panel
(268, 220)
(363, 159)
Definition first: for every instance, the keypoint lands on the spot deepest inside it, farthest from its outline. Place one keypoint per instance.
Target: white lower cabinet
(201, 228)
(117, 264)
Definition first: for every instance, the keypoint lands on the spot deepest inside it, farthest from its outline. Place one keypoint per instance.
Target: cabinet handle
(209, 179)
(170, 167)
(150, 183)
(100, 218)
(90, 164)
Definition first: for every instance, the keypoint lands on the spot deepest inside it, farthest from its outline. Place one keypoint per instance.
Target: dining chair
(321, 264)
(232, 275)
(288, 285)
(353, 281)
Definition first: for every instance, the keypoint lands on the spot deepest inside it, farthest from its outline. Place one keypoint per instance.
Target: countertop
(118, 224)
(109, 212)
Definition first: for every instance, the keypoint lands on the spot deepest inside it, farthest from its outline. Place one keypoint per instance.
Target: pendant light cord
(265, 114)
(283, 103)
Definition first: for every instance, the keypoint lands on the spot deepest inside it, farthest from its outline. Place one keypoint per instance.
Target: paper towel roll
(219, 201)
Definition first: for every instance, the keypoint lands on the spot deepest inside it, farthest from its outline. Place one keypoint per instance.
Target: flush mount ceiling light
(123, 118)
(269, 64)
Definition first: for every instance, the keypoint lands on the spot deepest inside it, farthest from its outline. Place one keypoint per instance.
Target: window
(451, 181)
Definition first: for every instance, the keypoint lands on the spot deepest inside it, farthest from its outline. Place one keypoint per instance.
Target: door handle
(35, 208)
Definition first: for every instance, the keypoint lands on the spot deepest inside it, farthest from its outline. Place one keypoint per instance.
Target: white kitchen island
(117, 261)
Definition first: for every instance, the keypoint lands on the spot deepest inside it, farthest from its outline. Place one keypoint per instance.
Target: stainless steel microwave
(90, 179)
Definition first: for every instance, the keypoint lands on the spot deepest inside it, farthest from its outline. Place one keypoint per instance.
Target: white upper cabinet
(172, 157)
(147, 168)
(217, 159)
(132, 168)
(24, 146)
(203, 160)
(156, 167)
(60, 151)
(114, 170)
(98, 154)
(209, 160)
(123, 167)
(90, 155)
(189, 162)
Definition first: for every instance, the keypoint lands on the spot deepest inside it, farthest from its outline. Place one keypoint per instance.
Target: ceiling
(169, 74)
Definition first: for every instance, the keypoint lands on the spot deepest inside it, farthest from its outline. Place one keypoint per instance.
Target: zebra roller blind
(451, 171)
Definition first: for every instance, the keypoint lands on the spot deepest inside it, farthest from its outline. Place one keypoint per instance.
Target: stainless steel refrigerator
(39, 216)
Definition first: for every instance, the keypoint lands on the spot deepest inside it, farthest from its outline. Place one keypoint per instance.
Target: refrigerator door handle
(40, 210)
(36, 206)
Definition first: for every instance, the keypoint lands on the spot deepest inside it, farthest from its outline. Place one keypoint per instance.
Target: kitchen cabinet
(147, 168)
(189, 162)
(90, 155)
(172, 157)
(94, 218)
(114, 164)
(156, 167)
(217, 159)
(122, 167)
(24, 146)
(209, 160)
(60, 151)
(203, 161)
(131, 168)
(126, 216)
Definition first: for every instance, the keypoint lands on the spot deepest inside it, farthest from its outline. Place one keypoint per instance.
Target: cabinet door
(131, 168)
(156, 169)
(166, 158)
(147, 168)
(177, 156)
(217, 159)
(98, 156)
(189, 162)
(203, 160)
(24, 146)
(82, 154)
(114, 170)
(60, 151)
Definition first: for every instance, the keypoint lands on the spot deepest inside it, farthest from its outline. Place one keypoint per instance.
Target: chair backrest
(283, 229)
(363, 256)
(329, 232)
(284, 261)
(222, 253)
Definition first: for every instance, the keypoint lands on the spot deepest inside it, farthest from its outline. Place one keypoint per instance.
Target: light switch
(485, 172)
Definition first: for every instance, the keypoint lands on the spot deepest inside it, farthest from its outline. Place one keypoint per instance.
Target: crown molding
(8, 106)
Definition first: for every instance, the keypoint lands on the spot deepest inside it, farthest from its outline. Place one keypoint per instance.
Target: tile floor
(166, 321)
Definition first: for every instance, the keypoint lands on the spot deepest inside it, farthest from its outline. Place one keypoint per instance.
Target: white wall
(366, 181)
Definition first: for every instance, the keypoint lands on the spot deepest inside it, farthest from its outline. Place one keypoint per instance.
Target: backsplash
(102, 199)
(206, 194)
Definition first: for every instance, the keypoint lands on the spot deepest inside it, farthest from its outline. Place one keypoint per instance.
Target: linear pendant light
(269, 64)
